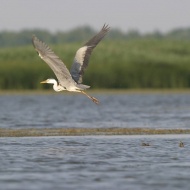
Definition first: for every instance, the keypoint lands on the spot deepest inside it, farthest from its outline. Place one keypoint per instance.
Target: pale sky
(63, 15)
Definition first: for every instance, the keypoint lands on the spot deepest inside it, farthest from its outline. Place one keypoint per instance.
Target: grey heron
(70, 81)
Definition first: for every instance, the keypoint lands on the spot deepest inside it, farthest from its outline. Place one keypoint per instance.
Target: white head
(49, 81)
(56, 87)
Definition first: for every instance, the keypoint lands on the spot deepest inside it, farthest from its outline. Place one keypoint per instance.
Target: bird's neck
(57, 87)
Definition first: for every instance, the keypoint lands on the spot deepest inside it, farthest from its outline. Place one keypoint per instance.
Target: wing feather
(62, 73)
(83, 54)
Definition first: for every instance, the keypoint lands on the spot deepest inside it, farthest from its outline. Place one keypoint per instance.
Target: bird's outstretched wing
(83, 54)
(54, 62)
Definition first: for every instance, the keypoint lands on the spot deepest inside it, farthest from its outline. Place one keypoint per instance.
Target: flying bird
(70, 81)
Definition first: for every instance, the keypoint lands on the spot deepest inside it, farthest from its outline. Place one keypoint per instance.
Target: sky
(146, 16)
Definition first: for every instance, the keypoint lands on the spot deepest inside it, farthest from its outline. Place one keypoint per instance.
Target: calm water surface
(90, 163)
(115, 110)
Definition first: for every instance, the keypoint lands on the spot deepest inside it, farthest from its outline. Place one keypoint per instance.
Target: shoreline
(41, 132)
(101, 91)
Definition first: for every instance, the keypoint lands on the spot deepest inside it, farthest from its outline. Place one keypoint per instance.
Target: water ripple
(115, 162)
(118, 110)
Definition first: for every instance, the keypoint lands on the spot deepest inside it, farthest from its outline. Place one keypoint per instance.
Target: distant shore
(31, 132)
(102, 91)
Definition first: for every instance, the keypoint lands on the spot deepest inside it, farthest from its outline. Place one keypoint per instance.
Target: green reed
(143, 63)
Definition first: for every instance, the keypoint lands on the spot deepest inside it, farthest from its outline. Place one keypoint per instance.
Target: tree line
(81, 34)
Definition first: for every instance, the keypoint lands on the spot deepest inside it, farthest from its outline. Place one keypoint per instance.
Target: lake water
(95, 162)
(116, 110)
(91, 163)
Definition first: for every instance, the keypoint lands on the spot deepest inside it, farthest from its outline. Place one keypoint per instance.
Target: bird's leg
(96, 101)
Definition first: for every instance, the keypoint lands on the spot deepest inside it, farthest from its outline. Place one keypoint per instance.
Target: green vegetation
(81, 34)
(135, 63)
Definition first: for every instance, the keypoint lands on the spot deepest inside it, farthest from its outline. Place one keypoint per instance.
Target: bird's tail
(82, 86)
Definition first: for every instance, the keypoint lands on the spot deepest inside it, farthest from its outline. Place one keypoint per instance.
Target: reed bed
(143, 63)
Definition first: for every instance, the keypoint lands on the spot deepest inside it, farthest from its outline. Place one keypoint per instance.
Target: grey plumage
(62, 73)
(72, 80)
(79, 66)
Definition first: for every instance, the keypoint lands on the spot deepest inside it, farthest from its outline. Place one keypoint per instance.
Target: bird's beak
(45, 81)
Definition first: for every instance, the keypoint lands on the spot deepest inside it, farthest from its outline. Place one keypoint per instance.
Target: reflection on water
(115, 110)
(90, 163)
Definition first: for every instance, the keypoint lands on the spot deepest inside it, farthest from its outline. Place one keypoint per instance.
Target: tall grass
(114, 64)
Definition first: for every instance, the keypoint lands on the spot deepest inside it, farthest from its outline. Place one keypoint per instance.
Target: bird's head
(56, 86)
(49, 81)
